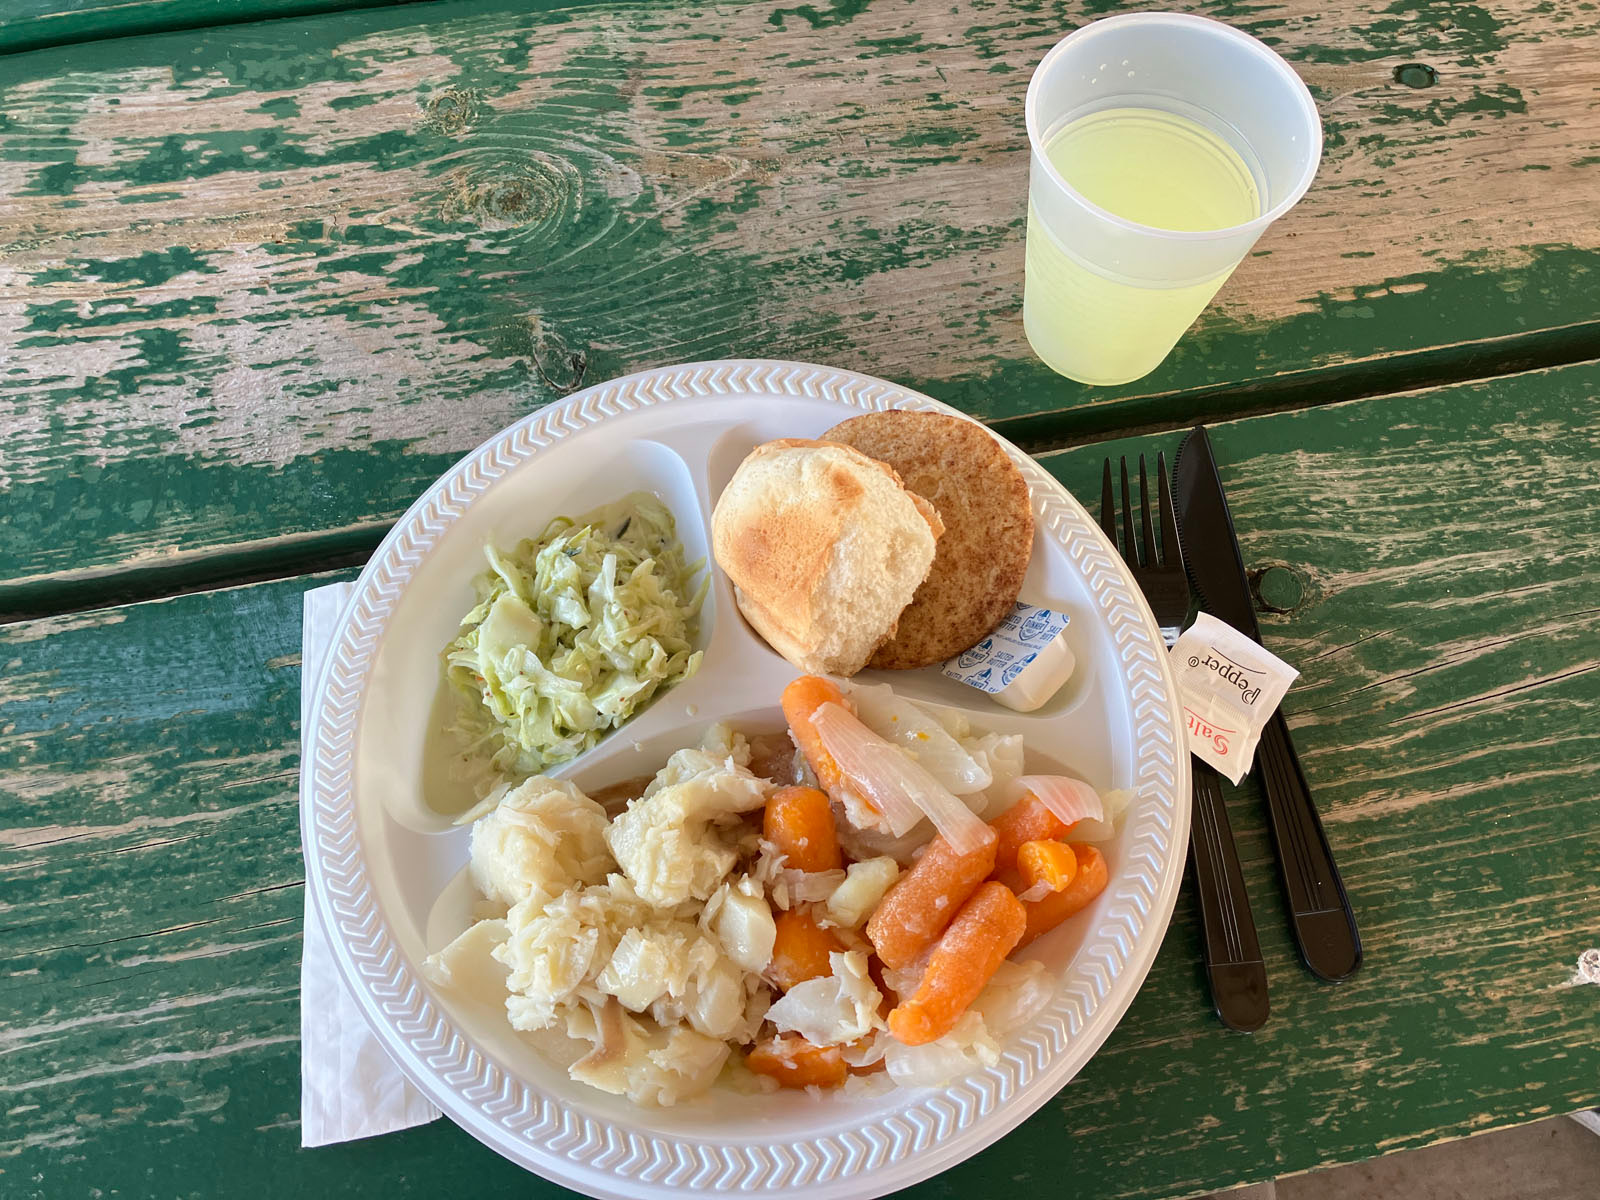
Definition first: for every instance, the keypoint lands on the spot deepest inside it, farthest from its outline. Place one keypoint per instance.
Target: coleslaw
(575, 631)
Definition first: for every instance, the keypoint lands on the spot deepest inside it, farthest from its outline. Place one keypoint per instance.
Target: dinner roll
(824, 547)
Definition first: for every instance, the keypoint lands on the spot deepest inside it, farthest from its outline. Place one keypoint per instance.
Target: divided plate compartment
(388, 870)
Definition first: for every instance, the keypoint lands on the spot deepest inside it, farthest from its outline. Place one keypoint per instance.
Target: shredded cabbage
(576, 630)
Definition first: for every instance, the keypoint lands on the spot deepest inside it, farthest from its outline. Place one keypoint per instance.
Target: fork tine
(1108, 506)
(1151, 558)
(1169, 523)
(1130, 548)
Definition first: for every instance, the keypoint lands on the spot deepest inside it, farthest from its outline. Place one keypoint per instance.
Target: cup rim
(1279, 64)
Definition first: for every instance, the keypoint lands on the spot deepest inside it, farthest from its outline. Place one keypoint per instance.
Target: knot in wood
(1278, 588)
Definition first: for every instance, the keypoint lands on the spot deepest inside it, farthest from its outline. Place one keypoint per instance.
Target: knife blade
(1320, 914)
(1210, 545)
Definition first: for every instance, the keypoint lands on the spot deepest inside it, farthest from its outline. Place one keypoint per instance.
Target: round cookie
(979, 563)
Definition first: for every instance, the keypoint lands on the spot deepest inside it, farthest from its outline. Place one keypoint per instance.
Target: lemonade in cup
(1163, 145)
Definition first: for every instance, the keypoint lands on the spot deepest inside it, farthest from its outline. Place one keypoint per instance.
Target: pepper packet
(1229, 685)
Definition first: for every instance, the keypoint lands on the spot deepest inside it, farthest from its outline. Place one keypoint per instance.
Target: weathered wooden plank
(265, 282)
(33, 24)
(1435, 554)
(1439, 604)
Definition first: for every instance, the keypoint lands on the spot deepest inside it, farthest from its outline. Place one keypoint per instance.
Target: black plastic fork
(1234, 967)
(1157, 568)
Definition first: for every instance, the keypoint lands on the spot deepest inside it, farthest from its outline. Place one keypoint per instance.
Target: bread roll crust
(824, 546)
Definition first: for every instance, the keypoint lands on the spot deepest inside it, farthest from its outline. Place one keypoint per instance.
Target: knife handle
(1234, 968)
(1324, 924)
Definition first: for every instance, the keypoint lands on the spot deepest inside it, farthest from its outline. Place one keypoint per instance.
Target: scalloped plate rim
(914, 1163)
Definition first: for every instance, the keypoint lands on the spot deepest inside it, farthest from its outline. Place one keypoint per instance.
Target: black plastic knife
(1324, 925)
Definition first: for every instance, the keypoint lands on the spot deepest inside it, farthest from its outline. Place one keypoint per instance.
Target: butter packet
(1230, 686)
(1022, 662)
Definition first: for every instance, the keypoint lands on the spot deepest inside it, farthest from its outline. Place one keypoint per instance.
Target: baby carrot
(925, 899)
(799, 822)
(1046, 913)
(800, 950)
(797, 1063)
(1028, 820)
(986, 929)
(801, 699)
(1051, 863)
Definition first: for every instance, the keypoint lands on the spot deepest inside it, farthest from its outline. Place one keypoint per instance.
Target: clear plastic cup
(1106, 298)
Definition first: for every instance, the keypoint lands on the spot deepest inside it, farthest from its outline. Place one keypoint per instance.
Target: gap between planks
(1473, 362)
(197, 571)
(1037, 433)
(37, 33)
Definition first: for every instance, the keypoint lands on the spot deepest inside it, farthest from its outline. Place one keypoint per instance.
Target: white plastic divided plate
(387, 871)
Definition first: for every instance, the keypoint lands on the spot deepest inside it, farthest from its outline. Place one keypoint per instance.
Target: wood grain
(261, 284)
(1435, 552)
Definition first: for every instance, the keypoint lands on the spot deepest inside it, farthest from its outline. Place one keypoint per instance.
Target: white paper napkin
(349, 1087)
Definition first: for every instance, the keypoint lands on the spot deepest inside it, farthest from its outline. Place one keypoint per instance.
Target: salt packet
(1022, 662)
(1230, 686)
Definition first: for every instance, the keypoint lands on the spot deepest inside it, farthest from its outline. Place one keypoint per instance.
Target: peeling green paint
(147, 270)
(374, 295)
(1487, 299)
(839, 13)
(1461, 33)
(1446, 622)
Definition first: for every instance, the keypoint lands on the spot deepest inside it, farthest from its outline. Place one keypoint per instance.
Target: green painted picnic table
(268, 266)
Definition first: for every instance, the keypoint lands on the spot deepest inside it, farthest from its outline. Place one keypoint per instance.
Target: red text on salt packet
(1230, 686)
